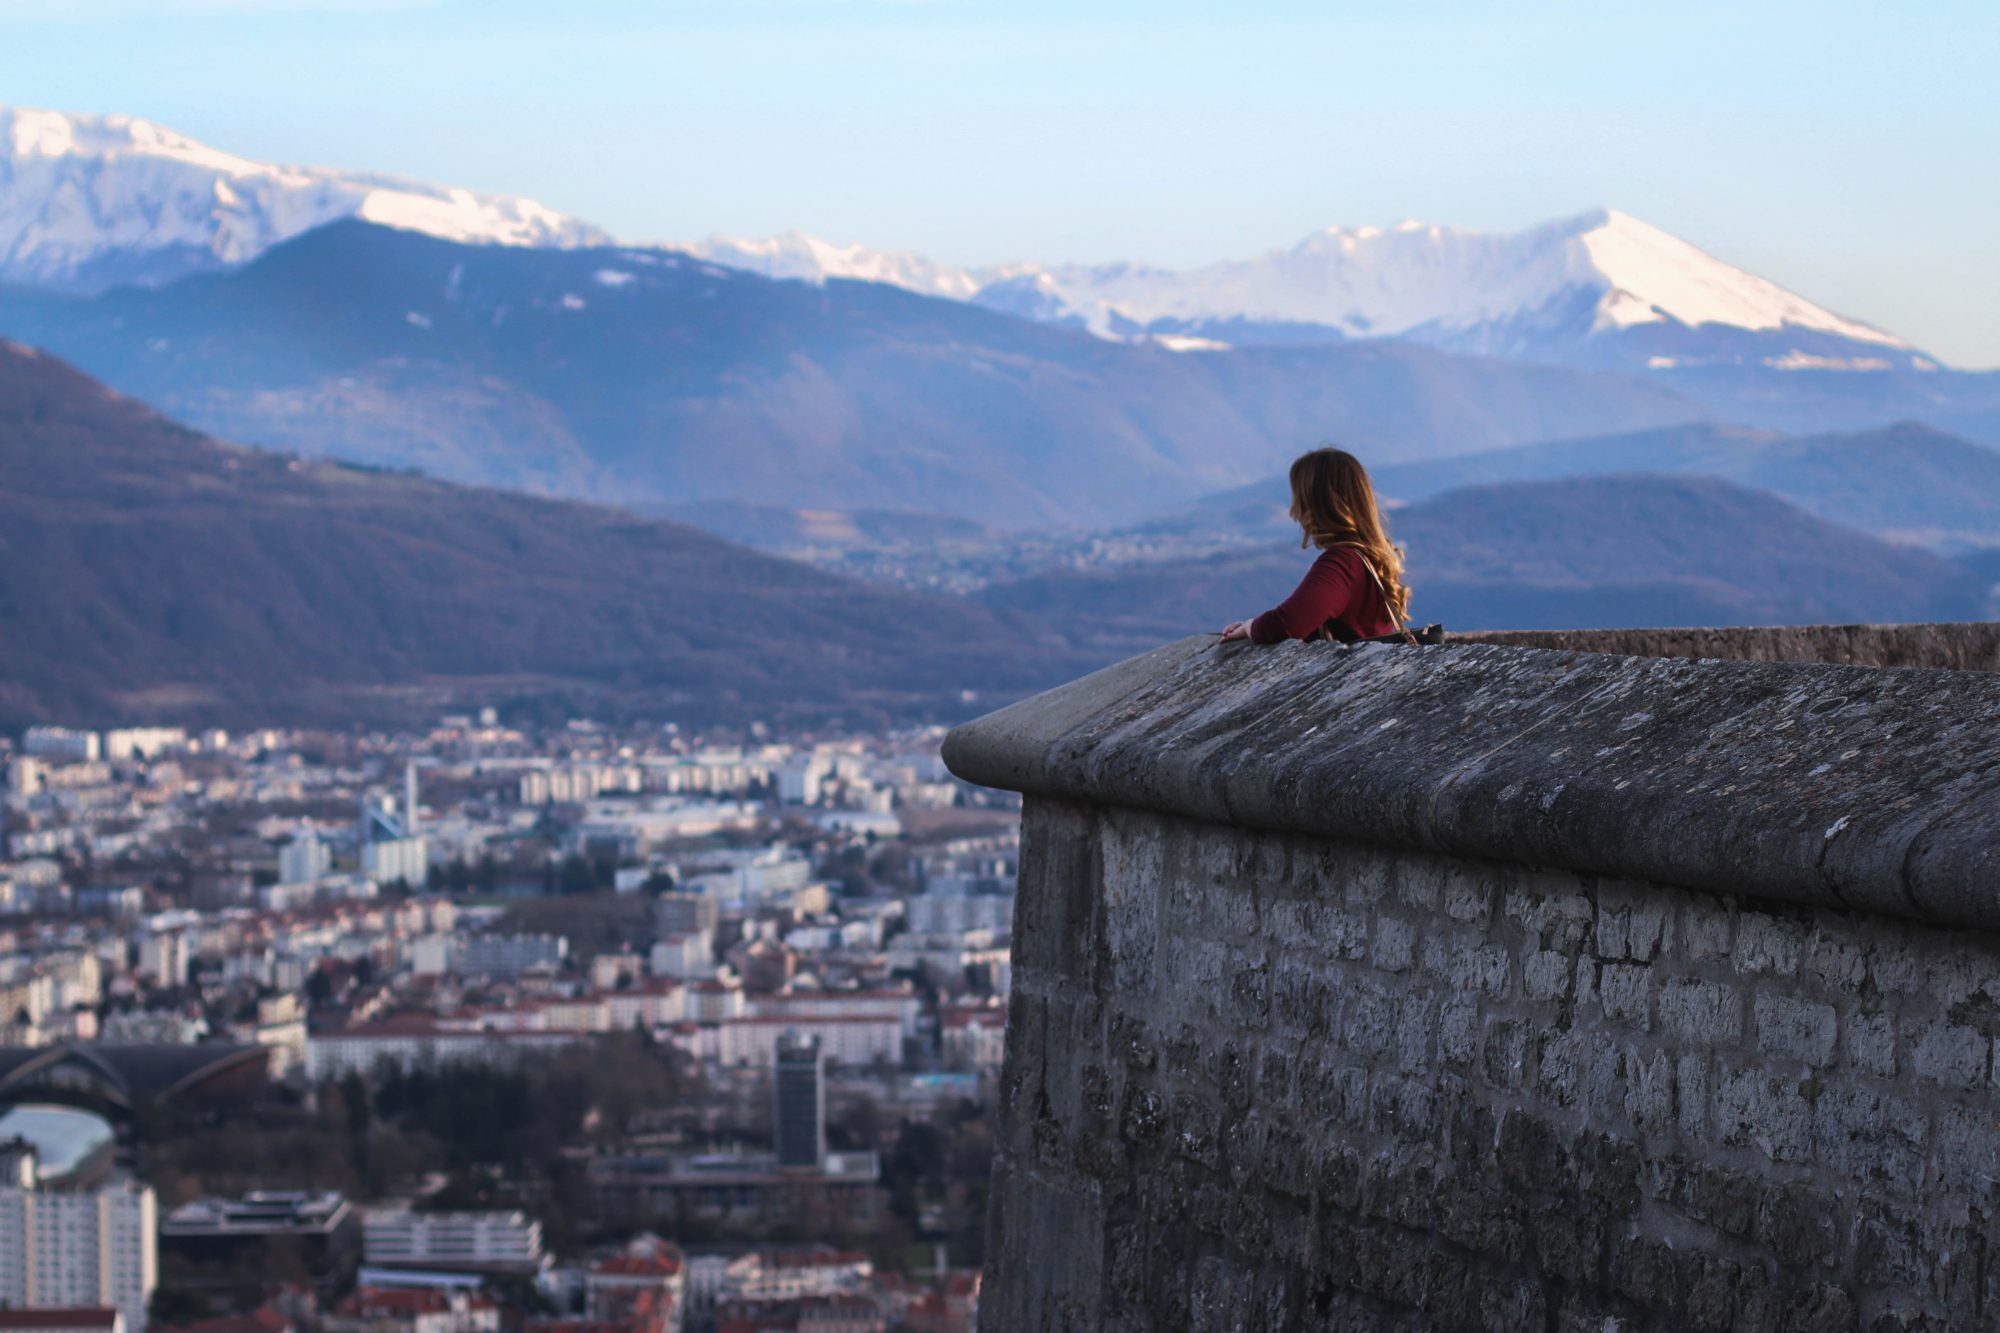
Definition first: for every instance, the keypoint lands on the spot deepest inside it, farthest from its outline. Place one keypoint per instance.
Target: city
(587, 1028)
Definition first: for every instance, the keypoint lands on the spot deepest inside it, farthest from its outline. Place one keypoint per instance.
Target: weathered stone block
(1789, 1026)
(1822, 1309)
(1766, 943)
(1197, 1129)
(1869, 1137)
(1303, 1005)
(1404, 1108)
(1144, 1121)
(1757, 1109)
(1249, 991)
(1703, 1013)
(1132, 863)
(1644, 1270)
(1798, 1224)
(1416, 1034)
(1395, 944)
(1836, 957)
(1649, 1092)
(1370, 1020)
(1468, 900)
(1504, 1054)
(1458, 1030)
(1871, 1043)
(1625, 991)
(1708, 927)
(1545, 975)
(1966, 1147)
(1948, 1054)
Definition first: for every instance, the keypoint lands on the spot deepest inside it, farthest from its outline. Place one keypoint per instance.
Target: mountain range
(87, 202)
(1601, 288)
(147, 570)
(655, 379)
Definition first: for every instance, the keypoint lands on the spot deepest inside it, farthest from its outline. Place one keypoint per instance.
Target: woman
(1355, 589)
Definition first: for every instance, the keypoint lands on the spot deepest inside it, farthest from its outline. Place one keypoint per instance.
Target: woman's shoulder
(1342, 558)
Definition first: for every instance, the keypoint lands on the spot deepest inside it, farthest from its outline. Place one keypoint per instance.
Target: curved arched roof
(121, 1075)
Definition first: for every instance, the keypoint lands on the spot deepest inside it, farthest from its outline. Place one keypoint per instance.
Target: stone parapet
(1811, 783)
(1475, 987)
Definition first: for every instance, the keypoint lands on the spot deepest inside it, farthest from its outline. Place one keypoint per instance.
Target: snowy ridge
(797, 255)
(87, 201)
(1368, 281)
(1542, 291)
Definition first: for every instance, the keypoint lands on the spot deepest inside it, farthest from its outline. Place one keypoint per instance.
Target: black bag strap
(1402, 630)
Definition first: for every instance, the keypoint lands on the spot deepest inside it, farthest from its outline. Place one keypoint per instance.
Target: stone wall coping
(1960, 646)
(1828, 785)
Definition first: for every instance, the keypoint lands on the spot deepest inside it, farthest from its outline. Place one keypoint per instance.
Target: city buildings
(506, 955)
(644, 1285)
(228, 1243)
(237, 902)
(417, 1042)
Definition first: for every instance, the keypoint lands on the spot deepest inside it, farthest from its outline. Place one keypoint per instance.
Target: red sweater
(1339, 588)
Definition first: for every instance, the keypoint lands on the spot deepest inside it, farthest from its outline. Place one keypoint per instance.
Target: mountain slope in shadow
(149, 571)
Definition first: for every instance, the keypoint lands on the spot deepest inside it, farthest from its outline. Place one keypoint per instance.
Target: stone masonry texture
(1265, 1081)
(1279, 1063)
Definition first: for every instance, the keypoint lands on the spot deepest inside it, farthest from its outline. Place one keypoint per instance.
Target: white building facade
(77, 1247)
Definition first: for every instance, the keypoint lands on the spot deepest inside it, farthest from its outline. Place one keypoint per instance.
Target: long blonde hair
(1334, 505)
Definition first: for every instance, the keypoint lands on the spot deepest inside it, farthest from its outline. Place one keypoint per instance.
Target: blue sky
(1845, 150)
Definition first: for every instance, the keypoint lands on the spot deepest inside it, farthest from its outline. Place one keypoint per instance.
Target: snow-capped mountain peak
(1655, 275)
(88, 201)
(1599, 287)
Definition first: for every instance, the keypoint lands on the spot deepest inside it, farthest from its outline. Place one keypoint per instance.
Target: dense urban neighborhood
(581, 1029)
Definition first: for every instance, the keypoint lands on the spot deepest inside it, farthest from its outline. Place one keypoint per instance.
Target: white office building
(143, 742)
(507, 956)
(61, 743)
(396, 1237)
(954, 914)
(74, 1247)
(304, 859)
(845, 1038)
(397, 860)
(164, 958)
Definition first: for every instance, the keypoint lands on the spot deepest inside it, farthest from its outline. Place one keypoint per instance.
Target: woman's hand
(1236, 629)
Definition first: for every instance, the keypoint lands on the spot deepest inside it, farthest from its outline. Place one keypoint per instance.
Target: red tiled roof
(638, 1265)
(395, 1300)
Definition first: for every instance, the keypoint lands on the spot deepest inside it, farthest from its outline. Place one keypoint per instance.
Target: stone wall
(1485, 988)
